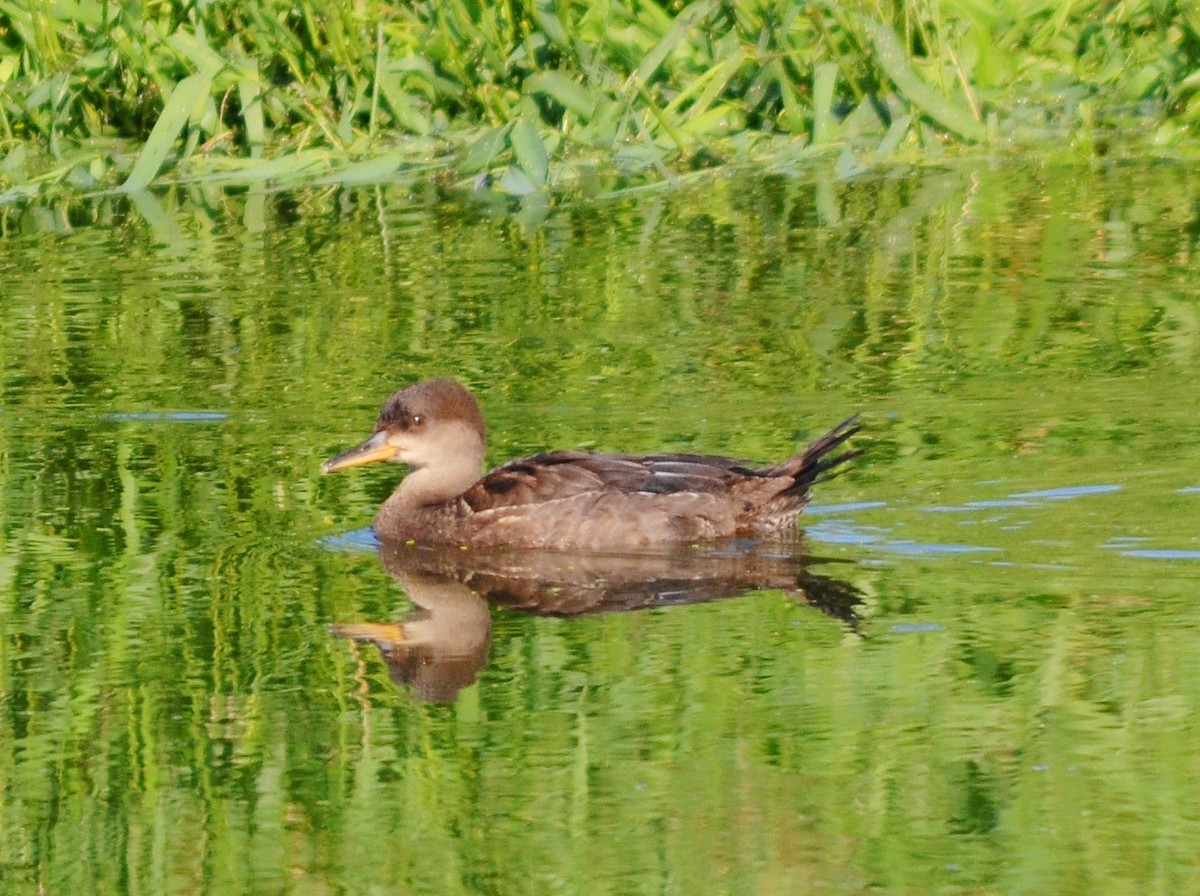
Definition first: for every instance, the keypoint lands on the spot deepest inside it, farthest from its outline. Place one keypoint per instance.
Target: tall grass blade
(187, 96)
(250, 97)
(294, 167)
(380, 169)
(824, 124)
(709, 85)
(676, 34)
(530, 152)
(895, 134)
(193, 45)
(484, 149)
(564, 91)
(894, 61)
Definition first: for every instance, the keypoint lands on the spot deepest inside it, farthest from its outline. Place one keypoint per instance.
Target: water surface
(1015, 710)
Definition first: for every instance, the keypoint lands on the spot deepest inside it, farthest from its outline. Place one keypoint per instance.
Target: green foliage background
(573, 95)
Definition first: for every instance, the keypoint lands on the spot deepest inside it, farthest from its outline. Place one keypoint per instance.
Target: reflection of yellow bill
(380, 632)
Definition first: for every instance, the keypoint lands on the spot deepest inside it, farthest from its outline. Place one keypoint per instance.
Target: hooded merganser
(569, 499)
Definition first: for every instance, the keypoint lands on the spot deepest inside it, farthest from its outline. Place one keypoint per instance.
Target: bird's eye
(417, 420)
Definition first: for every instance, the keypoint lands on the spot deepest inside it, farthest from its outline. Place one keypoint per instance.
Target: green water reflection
(1017, 714)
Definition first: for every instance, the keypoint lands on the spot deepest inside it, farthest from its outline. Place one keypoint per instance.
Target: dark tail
(814, 462)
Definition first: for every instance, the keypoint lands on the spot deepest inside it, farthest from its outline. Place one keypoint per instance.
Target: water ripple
(1162, 554)
(171, 416)
(363, 539)
(915, 628)
(1071, 491)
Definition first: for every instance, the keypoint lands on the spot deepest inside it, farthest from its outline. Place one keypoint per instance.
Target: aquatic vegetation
(565, 95)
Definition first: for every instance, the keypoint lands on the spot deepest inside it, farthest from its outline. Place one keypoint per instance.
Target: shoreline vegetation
(550, 99)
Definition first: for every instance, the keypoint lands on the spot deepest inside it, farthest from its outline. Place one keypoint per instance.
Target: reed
(539, 93)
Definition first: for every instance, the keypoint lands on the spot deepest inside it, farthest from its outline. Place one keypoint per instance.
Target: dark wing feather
(565, 474)
(671, 473)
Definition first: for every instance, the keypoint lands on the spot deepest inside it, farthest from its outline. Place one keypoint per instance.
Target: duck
(571, 500)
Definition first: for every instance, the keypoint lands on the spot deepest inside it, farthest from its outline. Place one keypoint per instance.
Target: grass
(550, 97)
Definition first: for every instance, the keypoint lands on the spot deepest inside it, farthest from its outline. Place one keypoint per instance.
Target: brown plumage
(570, 499)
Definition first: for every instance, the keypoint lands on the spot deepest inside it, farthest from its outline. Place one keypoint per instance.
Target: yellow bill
(373, 449)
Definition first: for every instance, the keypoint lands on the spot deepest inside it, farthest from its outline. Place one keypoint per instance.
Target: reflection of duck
(440, 648)
(569, 499)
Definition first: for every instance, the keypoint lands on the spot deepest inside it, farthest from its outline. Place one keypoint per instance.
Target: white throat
(443, 464)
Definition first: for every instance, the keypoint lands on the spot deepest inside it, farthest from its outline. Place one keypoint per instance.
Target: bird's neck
(447, 467)
(438, 484)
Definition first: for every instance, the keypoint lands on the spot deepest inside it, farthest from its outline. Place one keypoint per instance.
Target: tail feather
(815, 462)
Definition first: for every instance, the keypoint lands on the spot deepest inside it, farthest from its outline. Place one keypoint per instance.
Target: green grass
(556, 96)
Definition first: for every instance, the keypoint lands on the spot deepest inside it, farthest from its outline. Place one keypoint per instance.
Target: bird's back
(584, 500)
